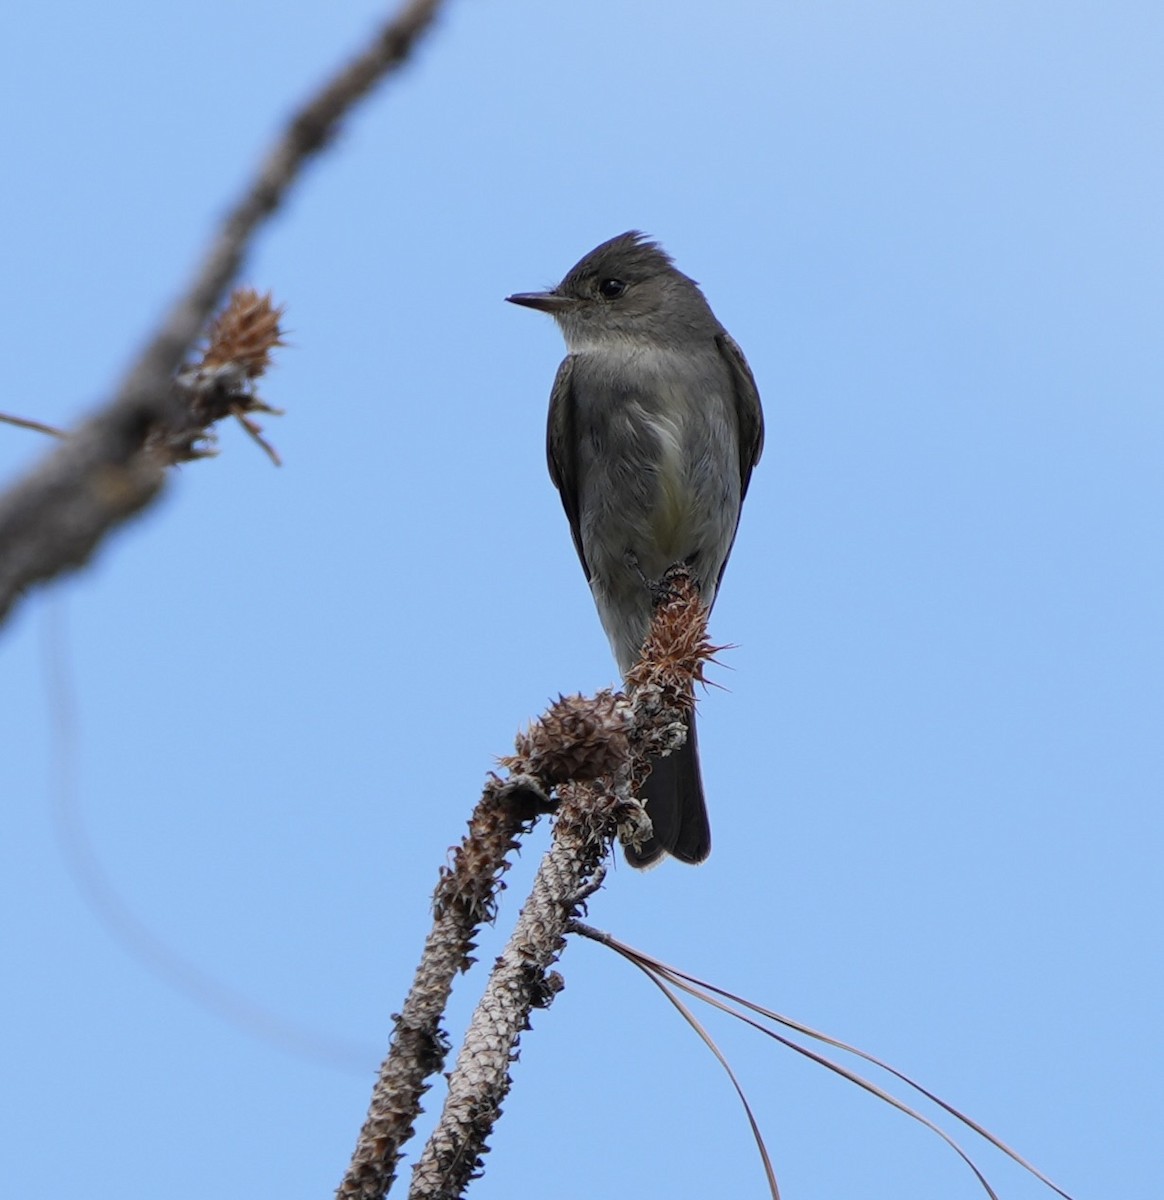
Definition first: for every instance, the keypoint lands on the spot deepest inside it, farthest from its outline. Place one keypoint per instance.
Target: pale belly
(659, 485)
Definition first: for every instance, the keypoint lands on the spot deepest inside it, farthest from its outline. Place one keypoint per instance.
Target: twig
(256, 434)
(54, 518)
(35, 426)
(664, 974)
(664, 985)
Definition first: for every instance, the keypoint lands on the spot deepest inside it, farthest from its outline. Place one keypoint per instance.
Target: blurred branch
(55, 517)
(35, 426)
(598, 751)
(88, 490)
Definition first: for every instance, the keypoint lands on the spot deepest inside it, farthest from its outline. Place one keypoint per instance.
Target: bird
(654, 427)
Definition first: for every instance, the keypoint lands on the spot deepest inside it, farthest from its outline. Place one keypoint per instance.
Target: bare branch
(35, 426)
(54, 518)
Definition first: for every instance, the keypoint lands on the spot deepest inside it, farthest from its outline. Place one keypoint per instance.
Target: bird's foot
(667, 587)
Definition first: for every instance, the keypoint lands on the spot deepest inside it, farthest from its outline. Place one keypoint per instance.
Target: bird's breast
(657, 427)
(668, 470)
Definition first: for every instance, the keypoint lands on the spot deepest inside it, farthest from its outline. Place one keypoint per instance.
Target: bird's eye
(611, 288)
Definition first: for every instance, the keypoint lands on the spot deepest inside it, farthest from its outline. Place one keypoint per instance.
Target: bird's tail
(673, 795)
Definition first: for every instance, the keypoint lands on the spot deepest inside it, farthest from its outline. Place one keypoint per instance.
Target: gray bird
(654, 428)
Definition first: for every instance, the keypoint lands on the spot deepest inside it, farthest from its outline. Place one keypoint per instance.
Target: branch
(464, 898)
(55, 517)
(520, 982)
(87, 486)
(596, 751)
(596, 806)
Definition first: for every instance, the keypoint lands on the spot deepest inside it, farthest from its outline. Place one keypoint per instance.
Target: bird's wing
(749, 419)
(749, 414)
(562, 450)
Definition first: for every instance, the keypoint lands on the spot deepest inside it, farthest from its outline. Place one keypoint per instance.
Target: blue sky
(935, 775)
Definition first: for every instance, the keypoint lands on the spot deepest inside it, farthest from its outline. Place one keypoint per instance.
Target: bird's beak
(547, 302)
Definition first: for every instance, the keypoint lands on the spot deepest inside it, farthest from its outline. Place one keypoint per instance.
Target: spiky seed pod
(676, 648)
(245, 333)
(578, 738)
